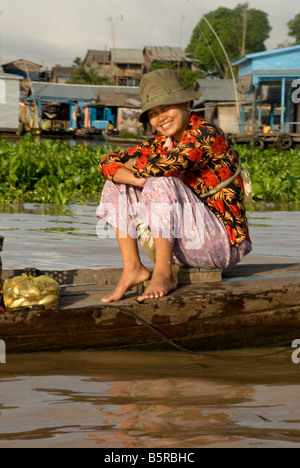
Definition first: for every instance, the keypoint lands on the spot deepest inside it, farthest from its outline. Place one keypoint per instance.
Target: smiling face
(170, 121)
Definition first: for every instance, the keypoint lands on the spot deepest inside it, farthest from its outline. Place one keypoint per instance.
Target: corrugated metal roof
(10, 76)
(63, 92)
(98, 56)
(168, 54)
(217, 90)
(62, 71)
(119, 100)
(266, 53)
(278, 72)
(21, 62)
(134, 56)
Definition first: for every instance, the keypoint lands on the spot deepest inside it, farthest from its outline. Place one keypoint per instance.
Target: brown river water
(118, 399)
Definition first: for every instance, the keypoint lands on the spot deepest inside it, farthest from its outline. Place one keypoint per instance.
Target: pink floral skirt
(172, 211)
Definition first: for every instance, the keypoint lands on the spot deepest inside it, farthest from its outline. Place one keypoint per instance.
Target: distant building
(128, 66)
(30, 71)
(217, 103)
(23, 68)
(9, 102)
(60, 75)
(99, 60)
(122, 67)
(124, 105)
(173, 55)
(99, 105)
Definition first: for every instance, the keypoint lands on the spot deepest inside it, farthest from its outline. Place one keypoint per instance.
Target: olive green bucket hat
(163, 88)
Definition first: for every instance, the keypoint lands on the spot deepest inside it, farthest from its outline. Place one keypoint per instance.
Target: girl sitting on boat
(184, 184)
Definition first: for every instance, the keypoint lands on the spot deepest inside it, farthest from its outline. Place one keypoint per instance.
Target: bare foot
(129, 279)
(159, 286)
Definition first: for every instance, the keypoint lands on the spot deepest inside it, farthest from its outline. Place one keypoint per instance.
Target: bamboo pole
(238, 106)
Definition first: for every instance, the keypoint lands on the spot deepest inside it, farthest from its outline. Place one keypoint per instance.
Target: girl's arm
(114, 162)
(126, 176)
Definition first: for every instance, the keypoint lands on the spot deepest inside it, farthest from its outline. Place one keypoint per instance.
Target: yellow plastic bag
(26, 291)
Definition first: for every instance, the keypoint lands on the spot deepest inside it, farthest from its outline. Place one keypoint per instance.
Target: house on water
(9, 102)
(98, 105)
(268, 83)
(217, 103)
(61, 75)
(23, 68)
(30, 71)
(122, 67)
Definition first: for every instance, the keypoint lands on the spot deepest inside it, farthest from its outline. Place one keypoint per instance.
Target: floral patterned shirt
(203, 159)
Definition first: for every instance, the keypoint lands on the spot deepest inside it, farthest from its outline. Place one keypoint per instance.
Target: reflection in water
(151, 400)
(171, 412)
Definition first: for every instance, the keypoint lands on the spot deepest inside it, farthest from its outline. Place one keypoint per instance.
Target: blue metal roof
(266, 53)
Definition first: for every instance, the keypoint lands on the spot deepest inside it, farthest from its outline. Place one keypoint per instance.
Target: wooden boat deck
(253, 305)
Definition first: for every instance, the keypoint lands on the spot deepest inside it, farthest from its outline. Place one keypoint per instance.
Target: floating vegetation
(49, 172)
(275, 174)
(54, 172)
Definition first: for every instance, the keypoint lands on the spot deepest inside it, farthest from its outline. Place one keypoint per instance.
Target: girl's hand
(125, 176)
(137, 182)
(129, 164)
(140, 182)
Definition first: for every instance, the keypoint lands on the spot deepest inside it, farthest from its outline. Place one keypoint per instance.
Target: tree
(86, 75)
(241, 30)
(294, 28)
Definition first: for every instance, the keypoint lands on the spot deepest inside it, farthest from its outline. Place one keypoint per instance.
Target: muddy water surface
(142, 399)
(122, 399)
(50, 237)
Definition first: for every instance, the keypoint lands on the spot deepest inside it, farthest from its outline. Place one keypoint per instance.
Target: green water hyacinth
(53, 172)
(49, 172)
(275, 175)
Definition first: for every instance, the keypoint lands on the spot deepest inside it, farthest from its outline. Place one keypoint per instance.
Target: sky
(55, 32)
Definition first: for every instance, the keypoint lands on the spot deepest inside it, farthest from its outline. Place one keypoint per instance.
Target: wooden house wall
(228, 118)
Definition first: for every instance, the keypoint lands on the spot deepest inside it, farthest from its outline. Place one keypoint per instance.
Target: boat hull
(122, 142)
(254, 306)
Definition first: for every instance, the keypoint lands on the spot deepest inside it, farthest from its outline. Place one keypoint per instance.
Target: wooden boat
(251, 306)
(122, 142)
(71, 135)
